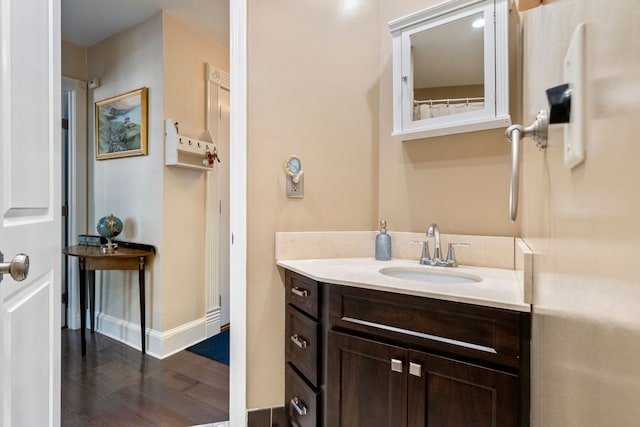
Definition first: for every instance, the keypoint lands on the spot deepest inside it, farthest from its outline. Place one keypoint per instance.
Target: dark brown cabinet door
(450, 393)
(302, 345)
(302, 403)
(366, 383)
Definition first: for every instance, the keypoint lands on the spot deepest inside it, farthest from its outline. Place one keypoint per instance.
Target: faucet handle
(451, 255)
(424, 258)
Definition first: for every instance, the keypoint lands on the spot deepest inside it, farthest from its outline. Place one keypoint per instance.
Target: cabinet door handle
(415, 369)
(303, 293)
(300, 342)
(396, 365)
(299, 406)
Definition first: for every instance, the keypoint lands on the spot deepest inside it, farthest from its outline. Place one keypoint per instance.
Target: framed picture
(121, 125)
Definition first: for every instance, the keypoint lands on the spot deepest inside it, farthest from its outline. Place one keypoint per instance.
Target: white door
(30, 211)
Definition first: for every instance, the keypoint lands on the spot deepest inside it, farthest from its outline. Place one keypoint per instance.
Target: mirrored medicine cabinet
(450, 69)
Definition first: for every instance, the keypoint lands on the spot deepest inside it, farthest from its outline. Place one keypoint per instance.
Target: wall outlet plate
(295, 190)
(574, 134)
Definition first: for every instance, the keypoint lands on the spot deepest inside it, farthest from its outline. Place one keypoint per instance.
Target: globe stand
(109, 247)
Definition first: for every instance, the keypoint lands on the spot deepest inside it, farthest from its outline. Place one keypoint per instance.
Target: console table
(128, 256)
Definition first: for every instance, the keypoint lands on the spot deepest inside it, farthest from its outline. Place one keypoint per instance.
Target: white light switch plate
(574, 134)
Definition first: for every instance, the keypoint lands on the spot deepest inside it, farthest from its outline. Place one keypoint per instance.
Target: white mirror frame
(496, 66)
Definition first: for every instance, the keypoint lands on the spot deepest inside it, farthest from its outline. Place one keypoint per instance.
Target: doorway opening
(237, 205)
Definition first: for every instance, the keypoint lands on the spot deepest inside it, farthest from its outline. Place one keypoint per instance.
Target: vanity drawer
(302, 344)
(303, 292)
(483, 333)
(301, 401)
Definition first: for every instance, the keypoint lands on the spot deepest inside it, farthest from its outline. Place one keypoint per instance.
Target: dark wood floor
(115, 385)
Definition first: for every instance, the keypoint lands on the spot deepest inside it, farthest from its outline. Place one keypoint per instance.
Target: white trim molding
(159, 344)
(212, 322)
(217, 76)
(215, 79)
(238, 207)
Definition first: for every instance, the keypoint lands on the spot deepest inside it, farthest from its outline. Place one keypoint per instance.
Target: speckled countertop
(499, 288)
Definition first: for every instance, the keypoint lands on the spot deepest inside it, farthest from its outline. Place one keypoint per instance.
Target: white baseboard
(74, 320)
(159, 344)
(212, 319)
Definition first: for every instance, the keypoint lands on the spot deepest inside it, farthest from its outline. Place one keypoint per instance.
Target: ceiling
(87, 22)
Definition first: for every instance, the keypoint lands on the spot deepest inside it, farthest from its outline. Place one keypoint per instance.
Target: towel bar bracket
(536, 131)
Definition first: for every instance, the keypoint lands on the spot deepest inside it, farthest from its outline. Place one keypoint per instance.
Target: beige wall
(185, 52)
(584, 223)
(312, 91)
(319, 86)
(74, 61)
(458, 181)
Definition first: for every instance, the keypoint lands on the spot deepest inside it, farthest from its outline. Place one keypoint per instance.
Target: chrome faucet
(434, 231)
(437, 260)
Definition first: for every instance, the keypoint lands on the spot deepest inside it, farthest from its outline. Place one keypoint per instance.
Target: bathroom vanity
(377, 354)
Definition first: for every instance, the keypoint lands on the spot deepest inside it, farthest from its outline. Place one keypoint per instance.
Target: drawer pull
(299, 406)
(415, 369)
(303, 293)
(300, 342)
(396, 365)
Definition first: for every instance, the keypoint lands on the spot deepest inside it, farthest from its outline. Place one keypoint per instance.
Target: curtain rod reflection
(447, 100)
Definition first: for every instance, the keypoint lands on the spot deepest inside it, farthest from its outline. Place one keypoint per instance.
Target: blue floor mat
(215, 348)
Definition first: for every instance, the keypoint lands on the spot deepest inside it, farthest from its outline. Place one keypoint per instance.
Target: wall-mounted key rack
(187, 152)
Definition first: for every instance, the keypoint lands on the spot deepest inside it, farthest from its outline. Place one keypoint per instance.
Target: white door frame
(238, 209)
(76, 92)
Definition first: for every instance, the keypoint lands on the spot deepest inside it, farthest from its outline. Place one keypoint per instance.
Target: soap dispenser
(383, 243)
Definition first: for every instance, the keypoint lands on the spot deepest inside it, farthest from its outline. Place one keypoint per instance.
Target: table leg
(83, 305)
(92, 299)
(142, 298)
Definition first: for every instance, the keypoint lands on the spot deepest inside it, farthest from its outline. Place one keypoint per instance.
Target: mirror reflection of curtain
(427, 111)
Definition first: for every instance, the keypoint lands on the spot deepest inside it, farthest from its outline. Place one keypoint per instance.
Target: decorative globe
(109, 226)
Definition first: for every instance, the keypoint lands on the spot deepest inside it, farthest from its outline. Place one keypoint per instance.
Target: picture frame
(121, 125)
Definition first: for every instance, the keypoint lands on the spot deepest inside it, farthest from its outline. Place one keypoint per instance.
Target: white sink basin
(418, 274)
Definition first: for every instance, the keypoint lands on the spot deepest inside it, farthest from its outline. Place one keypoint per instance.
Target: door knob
(18, 267)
